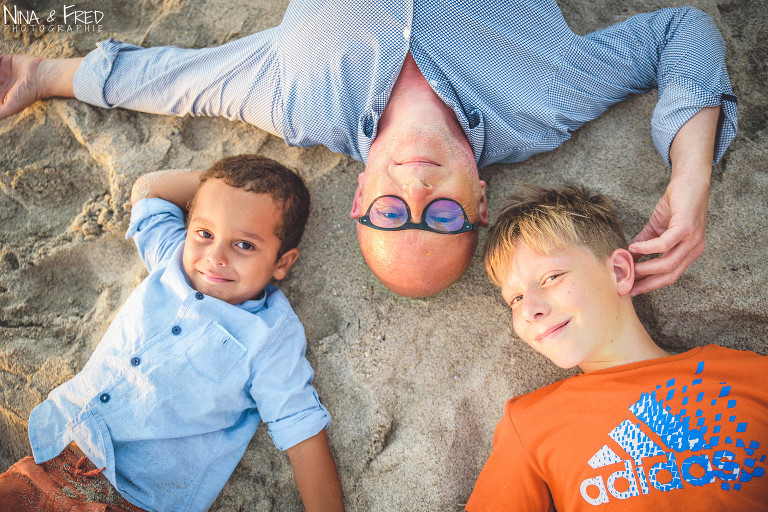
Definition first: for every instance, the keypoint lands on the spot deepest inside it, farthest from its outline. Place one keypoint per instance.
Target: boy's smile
(231, 247)
(565, 305)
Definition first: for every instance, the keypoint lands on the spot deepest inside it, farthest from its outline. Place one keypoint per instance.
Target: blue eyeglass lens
(388, 212)
(445, 215)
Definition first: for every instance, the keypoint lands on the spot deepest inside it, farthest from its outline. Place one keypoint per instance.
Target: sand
(415, 387)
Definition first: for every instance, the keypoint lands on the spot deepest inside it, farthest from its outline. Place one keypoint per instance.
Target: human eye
(515, 300)
(552, 278)
(245, 245)
(443, 217)
(202, 233)
(389, 214)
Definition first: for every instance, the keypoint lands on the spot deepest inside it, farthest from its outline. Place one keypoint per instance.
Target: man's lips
(552, 330)
(417, 161)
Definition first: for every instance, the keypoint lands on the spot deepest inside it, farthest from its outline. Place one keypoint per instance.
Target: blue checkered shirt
(519, 80)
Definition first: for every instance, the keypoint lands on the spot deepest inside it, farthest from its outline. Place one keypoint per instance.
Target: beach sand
(415, 387)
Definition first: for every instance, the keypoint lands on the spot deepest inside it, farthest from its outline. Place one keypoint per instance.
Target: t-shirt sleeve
(678, 50)
(509, 481)
(238, 80)
(282, 388)
(157, 228)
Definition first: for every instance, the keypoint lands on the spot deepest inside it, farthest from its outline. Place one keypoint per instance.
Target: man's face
(419, 163)
(565, 305)
(231, 248)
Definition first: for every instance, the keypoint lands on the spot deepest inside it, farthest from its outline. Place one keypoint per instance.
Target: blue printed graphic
(683, 438)
(672, 431)
(634, 441)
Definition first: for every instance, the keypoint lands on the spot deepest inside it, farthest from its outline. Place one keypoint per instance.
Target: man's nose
(415, 193)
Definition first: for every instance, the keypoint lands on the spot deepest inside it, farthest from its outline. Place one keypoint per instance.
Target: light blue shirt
(174, 392)
(519, 80)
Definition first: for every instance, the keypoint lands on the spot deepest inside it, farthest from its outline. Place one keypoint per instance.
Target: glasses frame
(365, 220)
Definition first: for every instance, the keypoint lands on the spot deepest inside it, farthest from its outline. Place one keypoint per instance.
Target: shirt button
(199, 296)
(407, 33)
(135, 361)
(104, 397)
(176, 330)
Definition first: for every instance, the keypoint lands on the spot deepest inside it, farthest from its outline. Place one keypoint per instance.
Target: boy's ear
(284, 263)
(623, 265)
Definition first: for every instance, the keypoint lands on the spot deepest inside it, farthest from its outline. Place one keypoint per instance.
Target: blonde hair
(547, 219)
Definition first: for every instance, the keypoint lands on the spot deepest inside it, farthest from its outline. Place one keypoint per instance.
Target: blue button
(135, 361)
(176, 330)
(104, 398)
(199, 296)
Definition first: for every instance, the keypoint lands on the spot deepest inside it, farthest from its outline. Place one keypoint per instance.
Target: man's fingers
(650, 283)
(678, 258)
(647, 233)
(661, 244)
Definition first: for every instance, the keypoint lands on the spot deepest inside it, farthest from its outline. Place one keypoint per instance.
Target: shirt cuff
(299, 427)
(146, 208)
(91, 76)
(678, 103)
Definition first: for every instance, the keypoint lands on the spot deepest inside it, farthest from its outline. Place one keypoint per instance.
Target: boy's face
(565, 305)
(231, 248)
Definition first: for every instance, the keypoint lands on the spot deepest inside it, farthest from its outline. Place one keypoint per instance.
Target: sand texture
(415, 387)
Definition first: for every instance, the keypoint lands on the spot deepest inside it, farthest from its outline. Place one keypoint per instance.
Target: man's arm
(680, 51)
(677, 225)
(315, 473)
(25, 79)
(237, 80)
(177, 186)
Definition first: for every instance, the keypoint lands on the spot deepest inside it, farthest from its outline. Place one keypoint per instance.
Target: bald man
(425, 93)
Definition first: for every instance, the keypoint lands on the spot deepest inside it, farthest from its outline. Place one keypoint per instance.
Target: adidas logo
(708, 460)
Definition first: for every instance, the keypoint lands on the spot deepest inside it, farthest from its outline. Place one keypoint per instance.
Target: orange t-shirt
(686, 432)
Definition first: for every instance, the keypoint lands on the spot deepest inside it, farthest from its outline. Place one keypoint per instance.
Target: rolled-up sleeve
(238, 80)
(157, 228)
(282, 388)
(692, 75)
(678, 50)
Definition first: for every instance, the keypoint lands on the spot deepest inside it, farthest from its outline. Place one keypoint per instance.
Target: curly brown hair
(265, 176)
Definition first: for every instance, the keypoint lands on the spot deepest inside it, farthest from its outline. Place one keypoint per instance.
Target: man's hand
(25, 79)
(675, 230)
(676, 227)
(18, 83)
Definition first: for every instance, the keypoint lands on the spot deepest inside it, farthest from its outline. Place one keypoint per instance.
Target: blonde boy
(638, 429)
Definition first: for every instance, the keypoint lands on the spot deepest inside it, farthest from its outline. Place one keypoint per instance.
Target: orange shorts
(59, 485)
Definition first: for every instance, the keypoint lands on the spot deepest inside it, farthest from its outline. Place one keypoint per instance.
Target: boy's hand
(177, 186)
(25, 79)
(676, 227)
(315, 473)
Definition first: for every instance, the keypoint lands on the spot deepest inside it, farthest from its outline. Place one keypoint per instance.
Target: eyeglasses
(391, 213)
